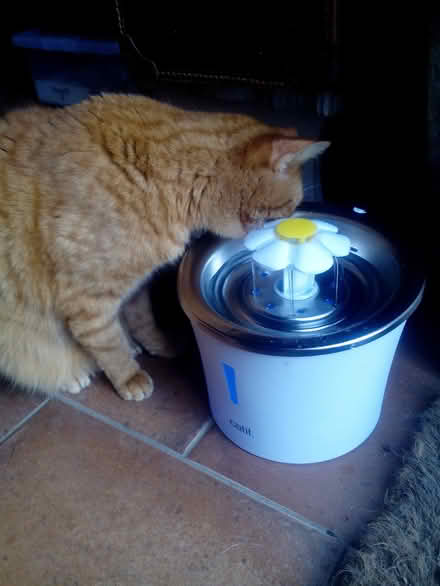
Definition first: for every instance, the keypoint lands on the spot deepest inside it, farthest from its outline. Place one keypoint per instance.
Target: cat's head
(262, 182)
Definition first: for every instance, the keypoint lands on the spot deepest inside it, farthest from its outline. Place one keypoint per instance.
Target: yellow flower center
(296, 229)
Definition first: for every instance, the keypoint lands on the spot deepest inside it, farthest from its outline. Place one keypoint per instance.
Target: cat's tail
(36, 352)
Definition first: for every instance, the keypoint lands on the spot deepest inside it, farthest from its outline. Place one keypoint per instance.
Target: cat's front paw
(163, 349)
(138, 387)
(76, 385)
(156, 344)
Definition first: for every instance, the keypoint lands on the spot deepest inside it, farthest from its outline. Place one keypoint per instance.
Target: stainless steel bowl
(381, 287)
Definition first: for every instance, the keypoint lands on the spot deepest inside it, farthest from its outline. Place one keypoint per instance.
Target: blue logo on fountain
(230, 381)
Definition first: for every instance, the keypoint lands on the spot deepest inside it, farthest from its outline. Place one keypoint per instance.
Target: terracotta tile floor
(97, 491)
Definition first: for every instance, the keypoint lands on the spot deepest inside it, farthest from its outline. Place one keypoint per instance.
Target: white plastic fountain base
(297, 410)
(297, 327)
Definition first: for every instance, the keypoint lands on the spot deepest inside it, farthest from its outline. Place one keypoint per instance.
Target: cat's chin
(240, 230)
(231, 230)
(234, 234)
(254, 225)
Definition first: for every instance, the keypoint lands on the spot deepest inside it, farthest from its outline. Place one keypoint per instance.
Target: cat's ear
(287, 152)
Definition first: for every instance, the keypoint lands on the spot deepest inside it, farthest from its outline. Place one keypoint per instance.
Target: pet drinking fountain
(297, 326)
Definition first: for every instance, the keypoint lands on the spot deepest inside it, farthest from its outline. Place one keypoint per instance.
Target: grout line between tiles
(203, 430)
(119, 426)
(225, 480)
(25, 419)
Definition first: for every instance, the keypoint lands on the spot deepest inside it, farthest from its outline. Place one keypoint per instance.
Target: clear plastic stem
(297, 284)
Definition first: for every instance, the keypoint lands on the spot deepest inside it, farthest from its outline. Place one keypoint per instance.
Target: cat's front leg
(96, 326)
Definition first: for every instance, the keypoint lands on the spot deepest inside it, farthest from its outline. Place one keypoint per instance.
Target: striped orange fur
(96, 196)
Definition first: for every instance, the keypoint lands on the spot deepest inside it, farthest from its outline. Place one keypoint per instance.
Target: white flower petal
(257, 238)
(275, 256)
(325, 226)
(313, 257)
(338, 244)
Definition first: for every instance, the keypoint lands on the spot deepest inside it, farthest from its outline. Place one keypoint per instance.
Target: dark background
(377, 61)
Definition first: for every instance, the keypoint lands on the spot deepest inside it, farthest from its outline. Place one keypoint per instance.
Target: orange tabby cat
(95, 197)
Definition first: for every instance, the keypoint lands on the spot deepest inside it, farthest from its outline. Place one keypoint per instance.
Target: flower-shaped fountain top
(305, 245)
